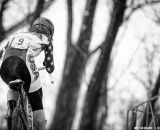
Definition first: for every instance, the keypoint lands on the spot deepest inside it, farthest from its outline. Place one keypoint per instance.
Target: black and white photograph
(79, 64)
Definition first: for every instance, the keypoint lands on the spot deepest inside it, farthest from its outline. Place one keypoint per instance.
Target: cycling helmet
(44, 22)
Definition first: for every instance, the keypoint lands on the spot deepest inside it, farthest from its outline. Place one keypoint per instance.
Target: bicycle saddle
(16, 84)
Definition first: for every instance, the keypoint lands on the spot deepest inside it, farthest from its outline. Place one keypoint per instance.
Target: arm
(49, 60)
(3, 49)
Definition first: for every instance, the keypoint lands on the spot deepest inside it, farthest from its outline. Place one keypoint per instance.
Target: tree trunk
(74, 67)
(2, 10)
(93, 92)
(101, 114)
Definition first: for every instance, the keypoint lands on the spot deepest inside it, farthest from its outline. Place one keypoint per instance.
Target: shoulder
(33, 37)
(27, 35)
(40, 38)
(24, 34)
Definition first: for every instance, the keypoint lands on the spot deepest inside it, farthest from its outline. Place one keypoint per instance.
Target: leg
(35, 94)
(11, 69)
(14, 68)
(39, 120)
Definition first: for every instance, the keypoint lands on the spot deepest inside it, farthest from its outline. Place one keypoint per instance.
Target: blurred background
(106, 54)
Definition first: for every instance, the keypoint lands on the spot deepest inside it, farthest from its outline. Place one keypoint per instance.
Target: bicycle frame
(23, 106)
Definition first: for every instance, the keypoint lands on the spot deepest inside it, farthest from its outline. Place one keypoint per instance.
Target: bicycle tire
(22, 118)
(19, 120)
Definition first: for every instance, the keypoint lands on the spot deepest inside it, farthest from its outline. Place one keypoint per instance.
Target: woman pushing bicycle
(18, 63)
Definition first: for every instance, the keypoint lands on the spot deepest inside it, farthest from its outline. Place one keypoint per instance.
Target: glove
(48, 61)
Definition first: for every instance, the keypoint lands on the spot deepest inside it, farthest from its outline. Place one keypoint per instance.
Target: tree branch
(70, 21)
(77, 48)
(2, 9)
(134, 8)
(95, 50)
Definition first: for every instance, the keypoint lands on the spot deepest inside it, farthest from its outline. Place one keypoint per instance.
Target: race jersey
(27, 46)
(30, 41)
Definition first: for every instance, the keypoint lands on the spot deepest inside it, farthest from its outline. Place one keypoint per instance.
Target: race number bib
(20, 42)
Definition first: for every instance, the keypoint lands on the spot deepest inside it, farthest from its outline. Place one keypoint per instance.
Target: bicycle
(22, 116)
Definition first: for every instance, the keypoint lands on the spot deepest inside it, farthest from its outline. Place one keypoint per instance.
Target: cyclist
(18, 63)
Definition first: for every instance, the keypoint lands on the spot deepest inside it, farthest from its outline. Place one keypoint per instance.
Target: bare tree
(102, 107)
(76, 59)
(93, 93)
(74, 67)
